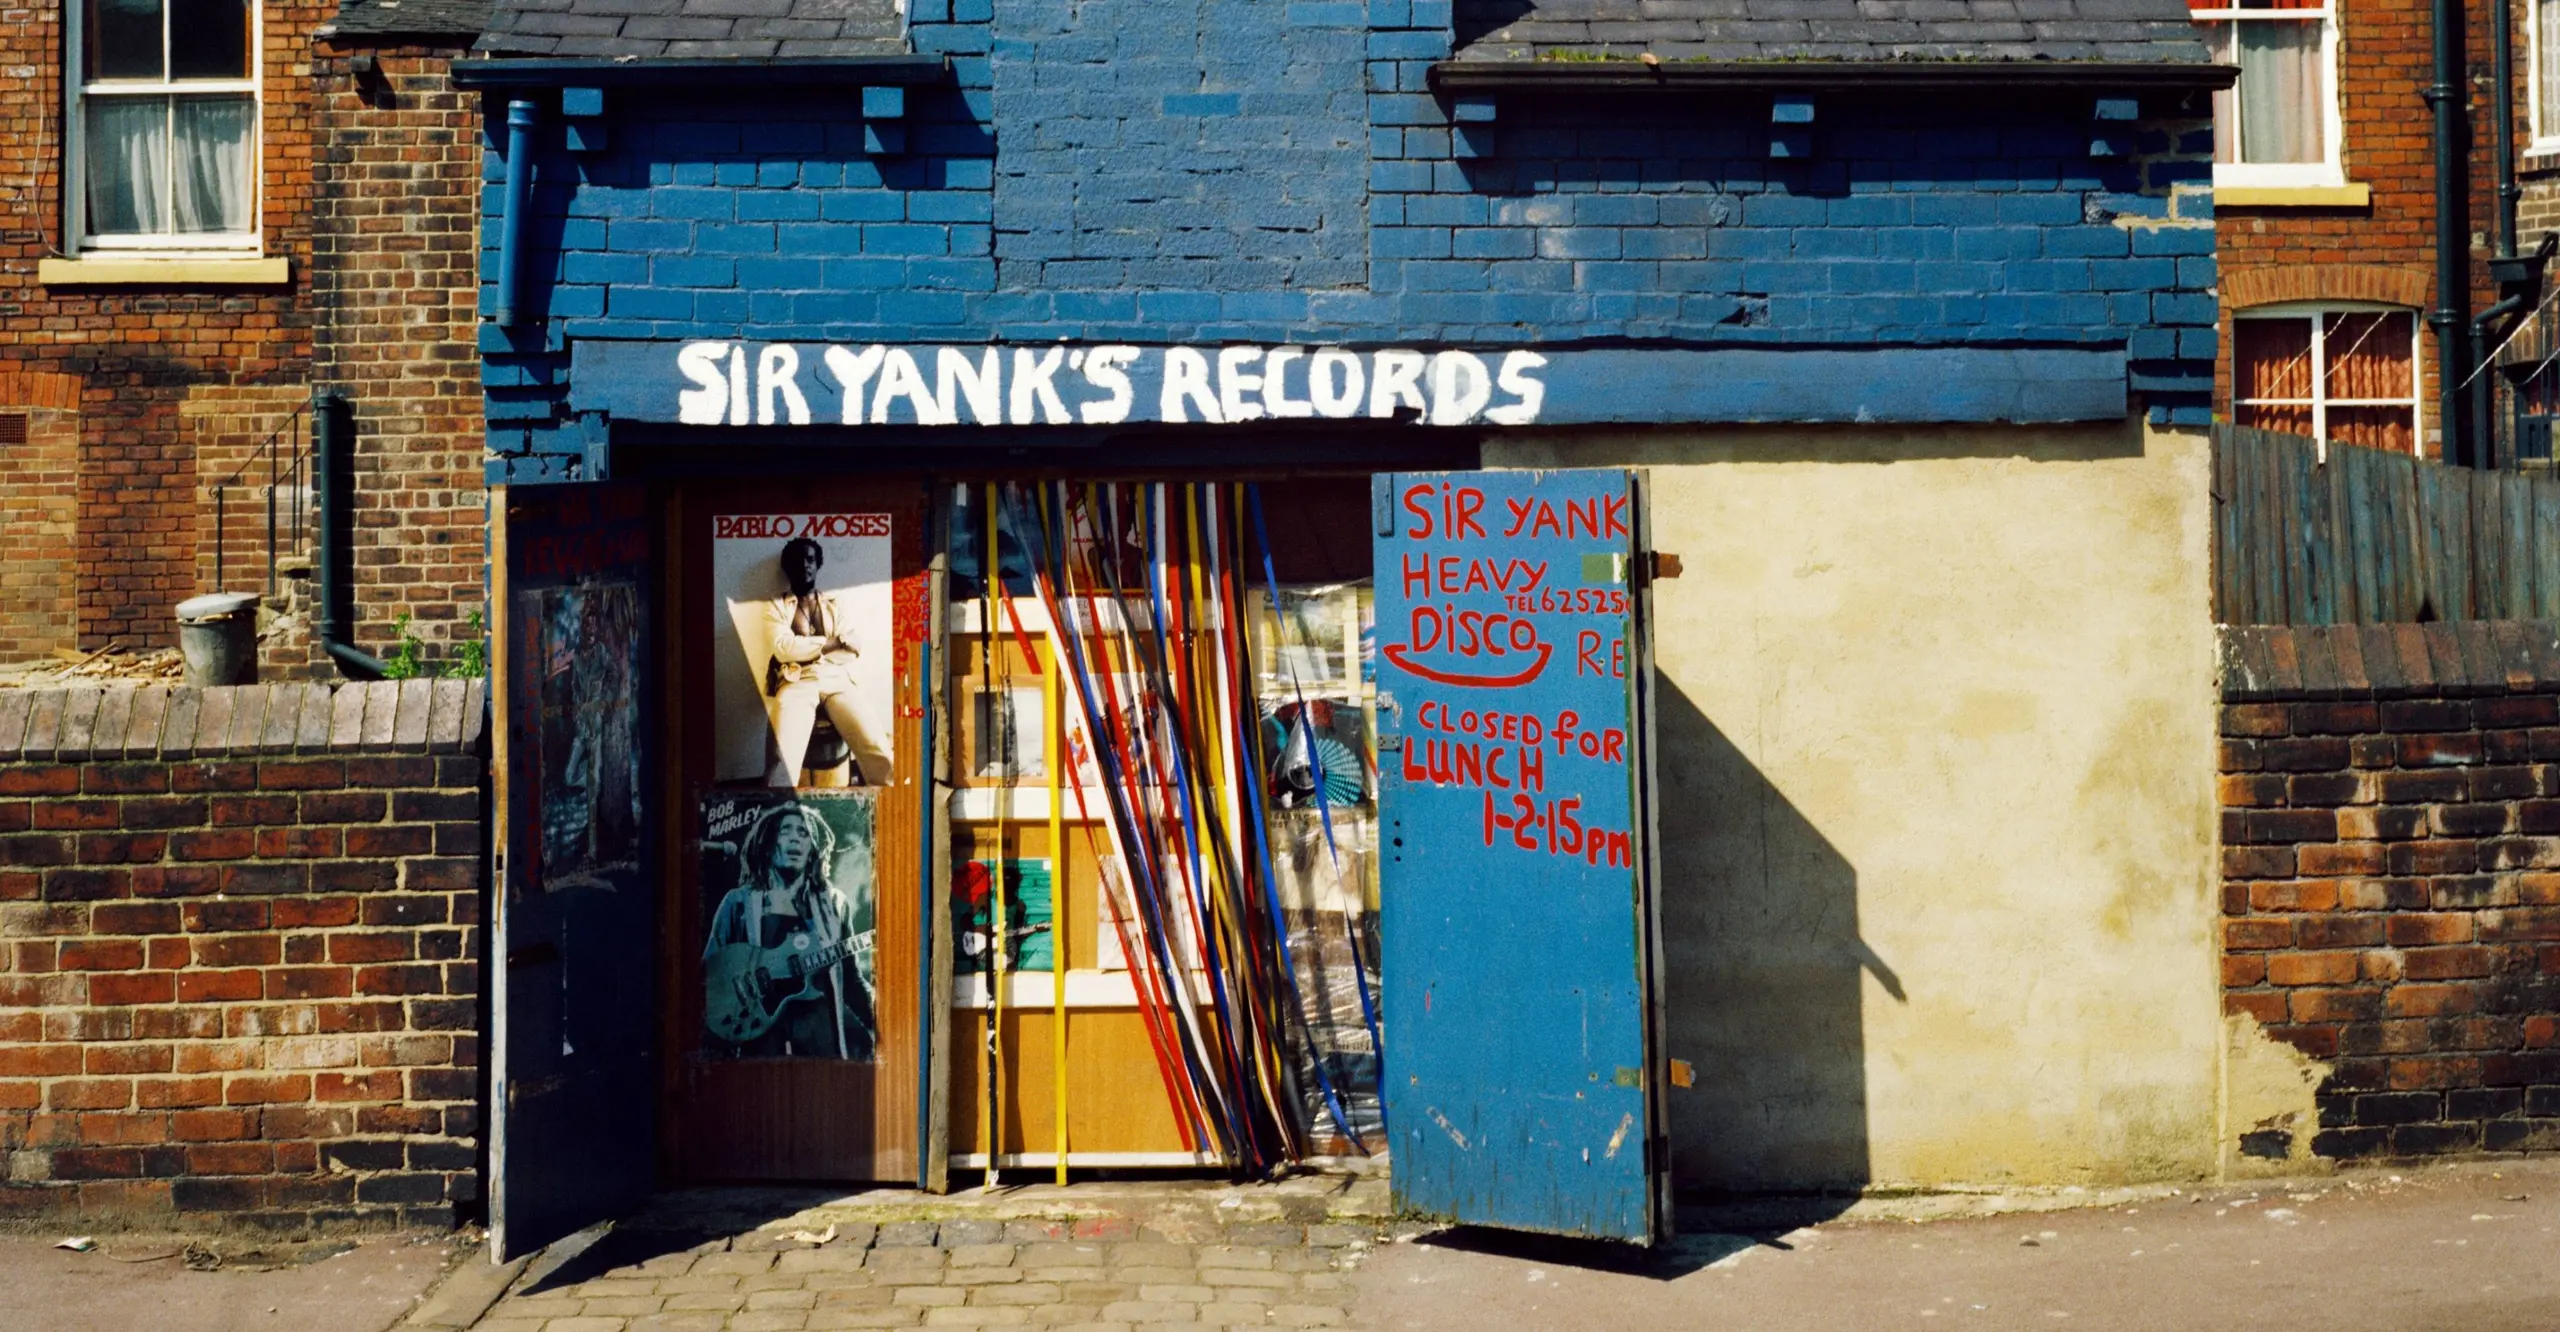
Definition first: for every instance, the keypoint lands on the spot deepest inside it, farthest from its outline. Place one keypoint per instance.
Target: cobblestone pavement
(1085, 1257)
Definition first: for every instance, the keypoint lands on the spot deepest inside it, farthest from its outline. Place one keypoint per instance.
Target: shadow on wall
(1760, 932)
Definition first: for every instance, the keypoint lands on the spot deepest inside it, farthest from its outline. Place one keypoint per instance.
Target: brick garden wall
(2391, 875)
(239, 954)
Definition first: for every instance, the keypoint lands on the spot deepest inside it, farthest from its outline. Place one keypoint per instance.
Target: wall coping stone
(130, 722)
(2454, 658)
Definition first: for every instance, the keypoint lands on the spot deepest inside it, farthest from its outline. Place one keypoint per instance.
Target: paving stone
(1266, 1234)
(1176, 1294)
(1302, 1260)
(1026, 1292)
(1230, 1256)
(1335, 1237)
(1151, 1254)
(1092, 1327)
(930, 1295)
(1182, 1275)
(898, 1234)
(679, 1322)
(860, 1297)
(1229, 1314)
(962, 1234)
(1245, 1276)
(782, 1299)
(541, 1306)
(1036, 1232)
(721, 1301)
(1060, 1255)
(980, 1255)
(666, 1265)
(898, 1315)
(1307, 1315)
(582, 1324)
(609, 1287)
(507, 1325)
(697, 1283)
(908, 1264)
(733, 1264)
(854, 1235)
(1322, 1281)
(625, 1306)
(833, 1258)
(1100, 1292)
(769, 1320)
(1145, 1311)
(1109, 1228)
(981, 1276)
(976, 1317)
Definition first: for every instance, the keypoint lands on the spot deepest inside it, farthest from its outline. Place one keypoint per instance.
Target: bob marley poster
(804, 666)
(787, 892)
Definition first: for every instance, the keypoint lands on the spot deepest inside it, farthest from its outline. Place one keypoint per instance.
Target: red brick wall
(395, 234)
(2391, 876)
(2384, 63)
(37, 520)
(239, 954)
(135, 351)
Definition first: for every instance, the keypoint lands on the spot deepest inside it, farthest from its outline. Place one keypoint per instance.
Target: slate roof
(2142, 31)
(700, 29)
(422, 18)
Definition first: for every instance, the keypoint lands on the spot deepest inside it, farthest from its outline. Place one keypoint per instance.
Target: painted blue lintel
(644, 381)
(1788, 109)
(576, 102)
(883, 139)
(1472, 110)
(884, 103)
(1791, 143)
(587, 136)
(2117, 108)
(2110, 141)
(1470, 141)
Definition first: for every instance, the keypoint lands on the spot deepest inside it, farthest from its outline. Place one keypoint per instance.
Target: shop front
(1021, 659)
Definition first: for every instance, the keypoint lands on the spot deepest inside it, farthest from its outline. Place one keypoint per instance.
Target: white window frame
(2292, 175)
(2318, 312)
(2546, 138)
(77, 89)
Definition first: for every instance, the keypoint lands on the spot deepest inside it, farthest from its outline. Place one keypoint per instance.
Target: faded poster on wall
(585, 767)
(804, 662)
(788, 892)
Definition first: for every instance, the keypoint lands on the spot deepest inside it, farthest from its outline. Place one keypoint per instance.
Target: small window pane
(2394, 428)
(2372, 356)
(122, 39)
(2546, 102)
(2271, 358)
(2282, 98)
(209, 39)
(2226, 101)
(212, 164)
(127, 166)
(2283, 419)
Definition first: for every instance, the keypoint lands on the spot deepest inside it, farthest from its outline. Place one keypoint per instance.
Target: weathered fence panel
(2372, 537)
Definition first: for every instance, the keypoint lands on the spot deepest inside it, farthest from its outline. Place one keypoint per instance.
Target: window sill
(171, 272)
(2293, 196)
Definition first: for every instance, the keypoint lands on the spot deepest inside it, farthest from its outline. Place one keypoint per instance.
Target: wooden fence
(2370, 537)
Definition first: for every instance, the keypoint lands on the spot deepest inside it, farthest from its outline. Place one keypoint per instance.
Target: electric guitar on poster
(737, 978)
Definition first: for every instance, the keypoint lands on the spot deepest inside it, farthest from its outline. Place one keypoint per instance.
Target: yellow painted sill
(139, 272)
(2293, 196)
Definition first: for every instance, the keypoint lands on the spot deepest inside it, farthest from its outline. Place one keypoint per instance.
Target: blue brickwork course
(1204, 170)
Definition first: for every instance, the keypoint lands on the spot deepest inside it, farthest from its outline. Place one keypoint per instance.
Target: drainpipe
(520, 123)
(2513, 295)
(333, 450)
(2453, 289)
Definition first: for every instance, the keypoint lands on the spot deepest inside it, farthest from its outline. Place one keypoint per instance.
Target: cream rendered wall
(1937, 719)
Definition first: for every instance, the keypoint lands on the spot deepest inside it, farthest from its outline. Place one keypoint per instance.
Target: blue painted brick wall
(1198, 170)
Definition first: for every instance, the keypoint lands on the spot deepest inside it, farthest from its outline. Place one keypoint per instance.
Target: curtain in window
(2271, 358)
(127, 166)
(212, 164)
(2546, 55)
(2373, 356)
(2281, 94)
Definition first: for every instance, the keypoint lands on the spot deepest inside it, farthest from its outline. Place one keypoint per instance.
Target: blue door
(573, 1087)
(1515, 889)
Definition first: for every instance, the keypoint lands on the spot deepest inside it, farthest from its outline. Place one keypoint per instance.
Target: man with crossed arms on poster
(812, 668)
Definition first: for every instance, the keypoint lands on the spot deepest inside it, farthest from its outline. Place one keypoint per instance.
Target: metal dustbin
(218, 638)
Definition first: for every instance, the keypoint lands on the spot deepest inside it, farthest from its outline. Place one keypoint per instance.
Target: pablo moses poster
(804, 667)
(789, 895)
